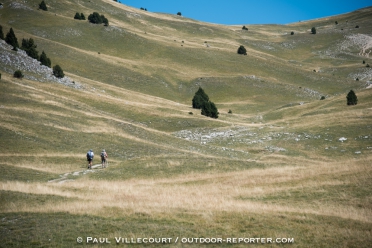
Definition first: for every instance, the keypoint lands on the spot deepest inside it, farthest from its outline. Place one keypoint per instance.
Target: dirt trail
(64, 177)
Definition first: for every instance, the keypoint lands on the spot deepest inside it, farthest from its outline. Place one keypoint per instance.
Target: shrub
(44, 60)
(230, 112)
(364, 62)
(367, 65)
(58, 72)
(82, 16)
(1, 33)
(18, 74)
(244, 28)
(351, 98)
(43, 6)
(242, 50)
(28, 45)
(336, 22)
(0, 75)
(313, 30)
(77, 16)
(11, 39)
(179, 13)
(292, 33)
(357, 26)
(322, 98)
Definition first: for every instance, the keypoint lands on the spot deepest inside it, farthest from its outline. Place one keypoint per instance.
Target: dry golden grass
(204, 192)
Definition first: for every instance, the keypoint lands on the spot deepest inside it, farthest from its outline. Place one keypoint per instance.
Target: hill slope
(274, 167)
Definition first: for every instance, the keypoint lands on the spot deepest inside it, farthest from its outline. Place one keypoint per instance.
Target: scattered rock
(342, 139)
(31, 68)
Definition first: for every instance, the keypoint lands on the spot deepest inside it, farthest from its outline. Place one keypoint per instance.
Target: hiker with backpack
(90, 156)
(104, 158)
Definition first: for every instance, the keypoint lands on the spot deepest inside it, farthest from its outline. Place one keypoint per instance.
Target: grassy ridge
(274, 167)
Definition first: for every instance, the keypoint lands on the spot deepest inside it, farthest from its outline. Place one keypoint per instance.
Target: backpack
(89, 155)
(103, 155)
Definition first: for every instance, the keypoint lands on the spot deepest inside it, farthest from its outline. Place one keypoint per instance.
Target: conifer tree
(44, 60)
(313, 30)
(29, 47)
(82, 16)
(209, 109)
(43, 6)
(351, 98)
(77, 16)
(199, 99)
(11, 39)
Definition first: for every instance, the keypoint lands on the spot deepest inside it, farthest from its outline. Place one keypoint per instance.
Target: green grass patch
(155, 168)
(12, 173)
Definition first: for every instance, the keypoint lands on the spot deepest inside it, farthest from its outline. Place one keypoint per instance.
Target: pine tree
(199, 99)
(82, 16)
(43, 6)
(313, 30)
(1, 33)
(44, 60)
(77, 16)
(29, 47)
(209, 109)
(351, 98)
(58, 72)
(11, 39)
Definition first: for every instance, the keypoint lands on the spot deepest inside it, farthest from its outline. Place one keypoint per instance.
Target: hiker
(90, 156)
(104, 158)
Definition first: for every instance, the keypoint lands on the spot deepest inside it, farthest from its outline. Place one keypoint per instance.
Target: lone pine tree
(43, 6)
(351, 98)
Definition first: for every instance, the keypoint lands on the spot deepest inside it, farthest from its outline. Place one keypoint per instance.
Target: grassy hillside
(276, 167)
